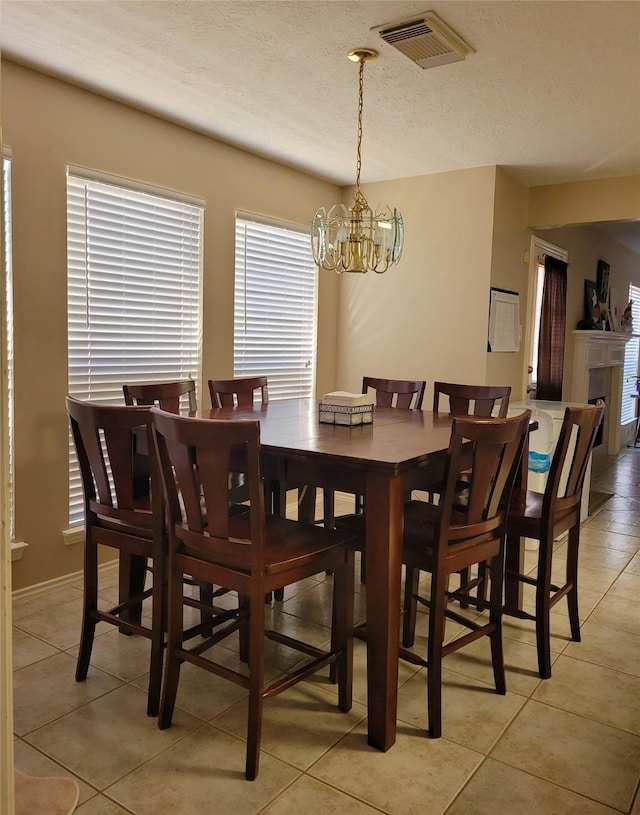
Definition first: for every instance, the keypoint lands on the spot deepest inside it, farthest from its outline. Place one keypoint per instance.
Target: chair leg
(277, 503)
(464, 579)
(359, 510)
(482, 584)
(256, 682)
(243, 632)
(206, 617)
(158, 628)
(342, 630)
(90, 604)
(496, 570)
(543, 607)
(411, 579)
(174, 642)
(437, 608)
(572, 578)
(328, 508)
(131, 577)
(307, 504)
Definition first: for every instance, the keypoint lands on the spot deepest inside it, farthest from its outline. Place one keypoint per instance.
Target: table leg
(384, 526)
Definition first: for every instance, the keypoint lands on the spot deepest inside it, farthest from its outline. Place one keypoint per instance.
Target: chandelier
(356, 239)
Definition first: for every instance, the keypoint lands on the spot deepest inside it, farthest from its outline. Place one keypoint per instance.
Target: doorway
(538, 251)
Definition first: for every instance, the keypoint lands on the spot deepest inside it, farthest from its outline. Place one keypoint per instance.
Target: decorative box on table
(342, 407)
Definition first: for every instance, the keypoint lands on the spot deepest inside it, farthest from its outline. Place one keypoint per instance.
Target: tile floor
(565, 746)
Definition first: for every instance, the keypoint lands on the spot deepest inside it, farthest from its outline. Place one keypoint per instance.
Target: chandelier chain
(359, 148)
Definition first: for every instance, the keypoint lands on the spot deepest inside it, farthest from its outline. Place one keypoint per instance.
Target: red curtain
(553, 320)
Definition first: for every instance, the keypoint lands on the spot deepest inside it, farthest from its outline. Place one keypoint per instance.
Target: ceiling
(552, 92)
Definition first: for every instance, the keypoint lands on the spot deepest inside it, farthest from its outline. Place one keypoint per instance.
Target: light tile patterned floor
(567, 746)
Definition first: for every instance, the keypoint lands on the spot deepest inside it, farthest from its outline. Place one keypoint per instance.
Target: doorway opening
(539, 249)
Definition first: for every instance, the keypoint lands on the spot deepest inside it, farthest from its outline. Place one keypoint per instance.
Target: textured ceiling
(552, 92)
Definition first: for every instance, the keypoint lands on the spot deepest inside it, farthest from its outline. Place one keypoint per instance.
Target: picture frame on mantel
(592, 315)
(602, 282)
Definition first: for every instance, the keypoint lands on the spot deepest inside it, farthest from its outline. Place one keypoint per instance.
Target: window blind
(630, 372)
(134, 270)
(8, 321)
(275, 306)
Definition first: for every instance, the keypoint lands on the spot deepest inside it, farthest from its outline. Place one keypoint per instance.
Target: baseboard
(56, 583)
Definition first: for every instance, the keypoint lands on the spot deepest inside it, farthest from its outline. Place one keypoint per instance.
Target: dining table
(400, 450)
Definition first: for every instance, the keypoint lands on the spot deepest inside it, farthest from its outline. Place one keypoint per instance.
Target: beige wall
(584, 202)
(511, 240)
(427, 317)
(48, 124)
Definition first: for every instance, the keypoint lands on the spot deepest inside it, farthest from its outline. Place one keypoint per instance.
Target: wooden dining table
(399, 451)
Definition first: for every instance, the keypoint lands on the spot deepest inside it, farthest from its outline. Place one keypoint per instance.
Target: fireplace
(598, 363)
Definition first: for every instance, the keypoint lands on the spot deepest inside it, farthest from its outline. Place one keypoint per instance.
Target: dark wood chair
(400, 393)
(173, 396)
(472, 400)
(468, 400)
(123, 512)
(253, 553)
(240, 392)
(245, 392)
(545, 516)
(459, 532)
(168, 395)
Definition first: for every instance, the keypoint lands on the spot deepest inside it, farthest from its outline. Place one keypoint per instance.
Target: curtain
(553, 319)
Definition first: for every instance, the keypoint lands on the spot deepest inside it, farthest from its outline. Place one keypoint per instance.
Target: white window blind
(630, 373)
(275, 306)
(8, 316)
(134, 270)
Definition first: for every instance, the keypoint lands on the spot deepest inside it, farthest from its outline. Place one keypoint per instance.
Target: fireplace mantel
(600, 349)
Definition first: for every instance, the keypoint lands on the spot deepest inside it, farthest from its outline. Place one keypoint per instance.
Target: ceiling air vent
(426, 40)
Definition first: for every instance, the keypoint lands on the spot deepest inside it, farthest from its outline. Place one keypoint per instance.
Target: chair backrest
(472, 400)
(165, 394)
(563, 491)
(489, 452)
(401, 393)
(115, 478)
(196, 457)
(238, 392)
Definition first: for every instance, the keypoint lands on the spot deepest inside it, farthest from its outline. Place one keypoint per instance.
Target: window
(630, 372)
(275, 306)
(134, 269)
(8, 319)
(539, 286)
